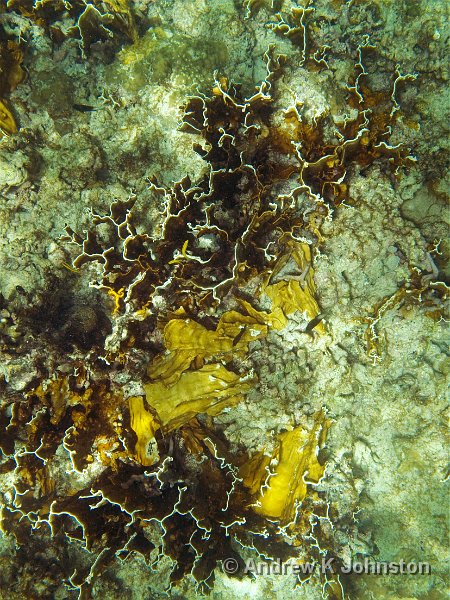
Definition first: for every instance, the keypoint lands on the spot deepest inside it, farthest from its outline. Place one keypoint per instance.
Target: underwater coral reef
(223, 301)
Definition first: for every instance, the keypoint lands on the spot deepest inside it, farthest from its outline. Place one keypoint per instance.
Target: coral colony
(180, 302)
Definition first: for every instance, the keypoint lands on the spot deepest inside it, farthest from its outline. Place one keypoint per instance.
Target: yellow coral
(116, 296)
(7, 122)
(178, 394)
(210, 390)
(183, 386)
(296, 466)
(186, 340)
(144, 425)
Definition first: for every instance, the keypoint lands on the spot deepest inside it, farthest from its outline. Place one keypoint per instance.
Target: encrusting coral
(88, 21)
(231, 258)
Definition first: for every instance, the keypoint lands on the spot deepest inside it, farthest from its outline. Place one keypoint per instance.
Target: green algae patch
(159, 56)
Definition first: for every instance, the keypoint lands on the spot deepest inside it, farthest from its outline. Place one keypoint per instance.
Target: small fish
(70, 268)
(83, 107)
(313, 323)
(237, 339)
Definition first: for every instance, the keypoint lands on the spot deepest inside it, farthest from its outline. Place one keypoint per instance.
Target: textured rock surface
(93, 130)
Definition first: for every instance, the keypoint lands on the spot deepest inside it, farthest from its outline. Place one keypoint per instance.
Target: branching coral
(234, 224)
